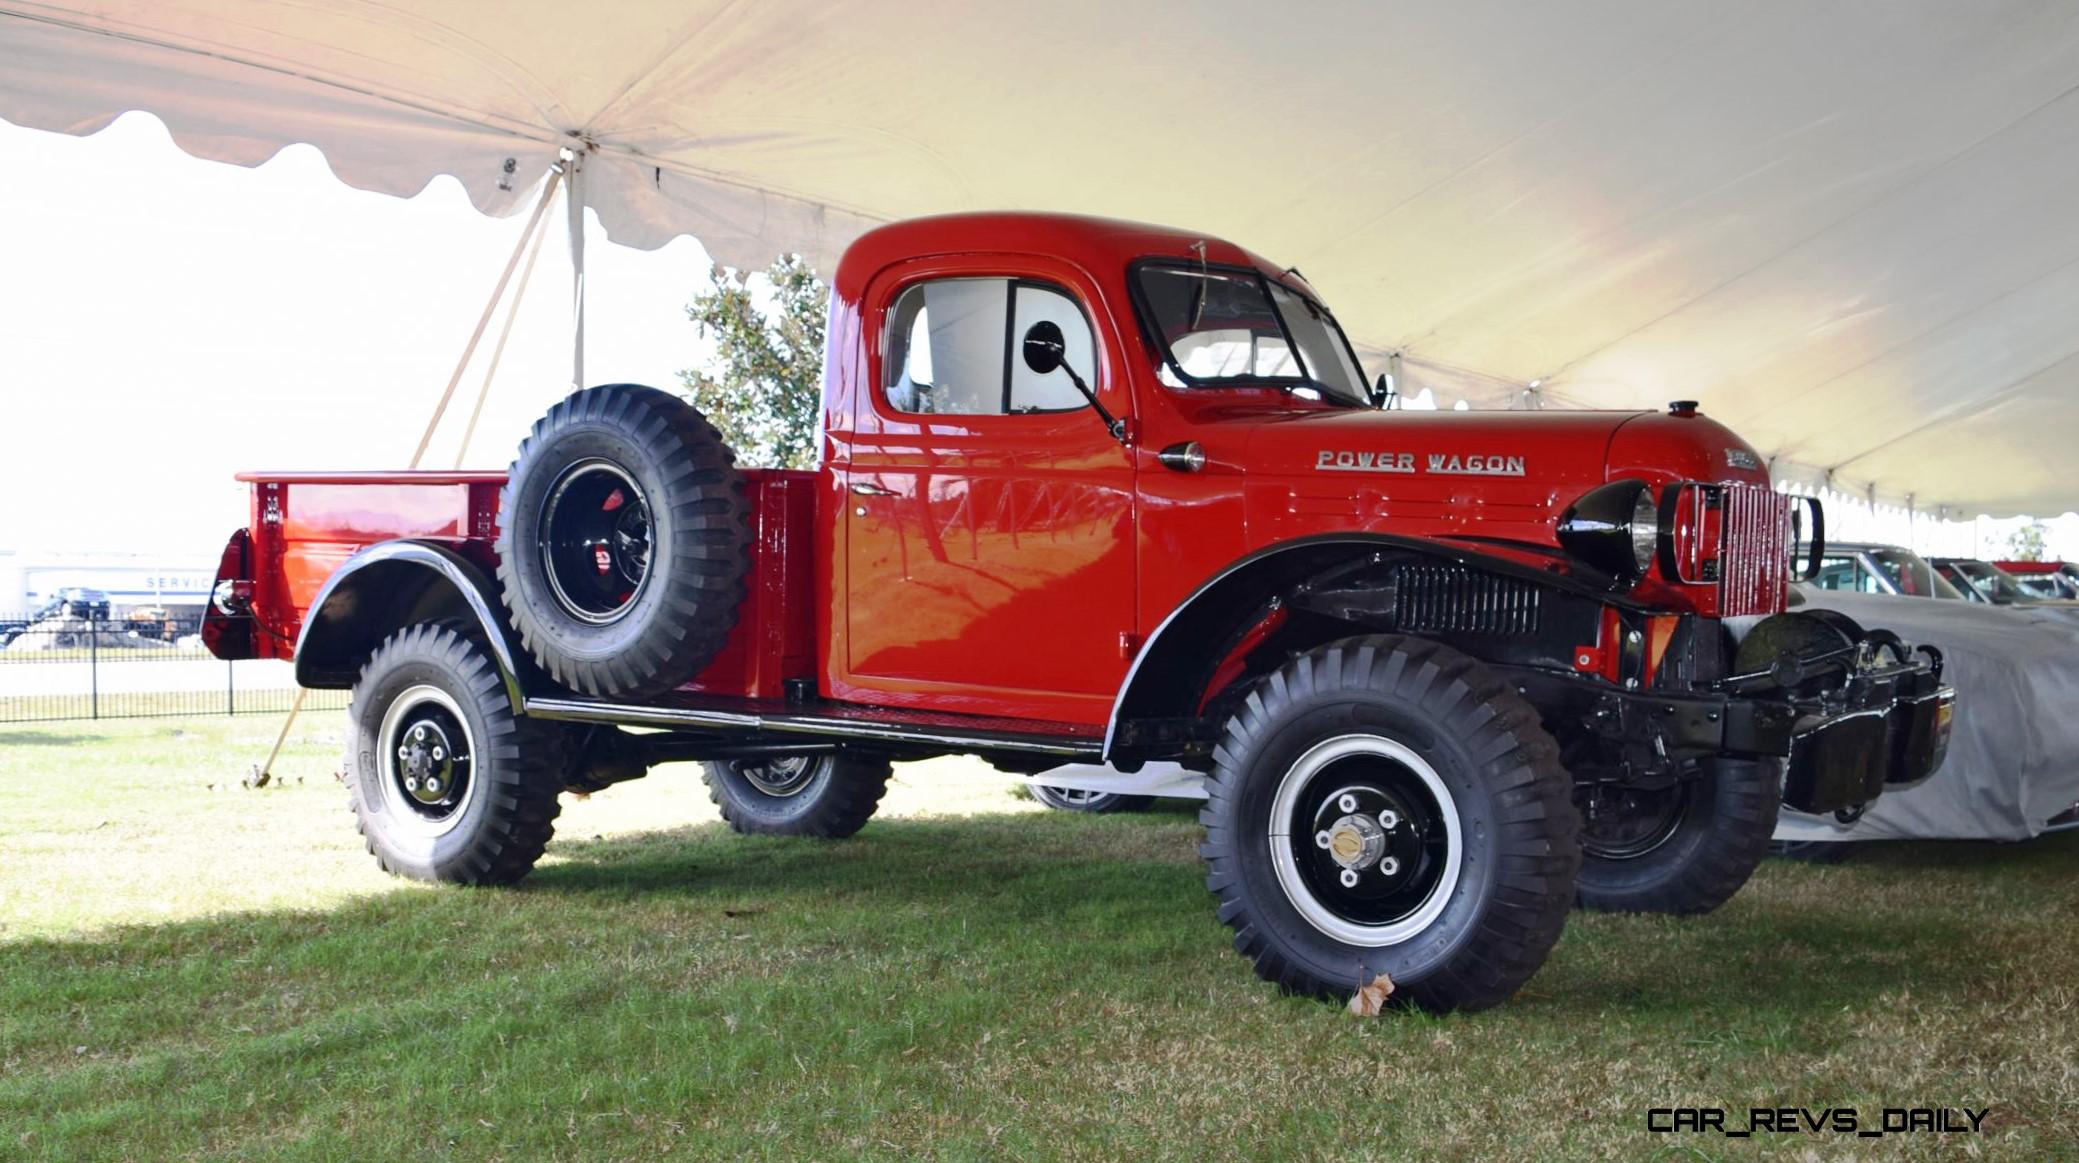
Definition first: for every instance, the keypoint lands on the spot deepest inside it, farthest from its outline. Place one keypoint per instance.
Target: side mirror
(1045, 347)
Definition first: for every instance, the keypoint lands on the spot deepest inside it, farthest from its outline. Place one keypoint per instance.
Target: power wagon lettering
(1446, 464)
(1476, 466)
(1331, 460)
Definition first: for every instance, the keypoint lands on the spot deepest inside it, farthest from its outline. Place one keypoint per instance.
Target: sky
(166, 322)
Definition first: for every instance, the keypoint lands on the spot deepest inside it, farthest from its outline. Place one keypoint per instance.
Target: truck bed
(305, 525)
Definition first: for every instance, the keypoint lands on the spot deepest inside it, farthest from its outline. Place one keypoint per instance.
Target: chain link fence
(83, 662)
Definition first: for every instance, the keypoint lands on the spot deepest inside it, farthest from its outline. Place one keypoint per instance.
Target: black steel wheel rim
(433, 766)
(779, 778)
(594, 536)
(1623, 823)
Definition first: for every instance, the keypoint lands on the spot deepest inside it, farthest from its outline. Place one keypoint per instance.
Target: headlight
(1645, 530)
(1615, 529)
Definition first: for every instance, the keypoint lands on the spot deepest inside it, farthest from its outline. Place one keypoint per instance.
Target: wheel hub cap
(426, 762)
(1356, 841)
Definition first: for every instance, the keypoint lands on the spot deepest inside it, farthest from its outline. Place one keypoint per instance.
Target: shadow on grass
(44, 739)
(1007, 895)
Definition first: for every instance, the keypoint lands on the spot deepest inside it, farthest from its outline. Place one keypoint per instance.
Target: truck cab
(1096, 491)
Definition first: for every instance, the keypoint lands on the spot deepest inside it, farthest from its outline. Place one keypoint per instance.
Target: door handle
(871, 490)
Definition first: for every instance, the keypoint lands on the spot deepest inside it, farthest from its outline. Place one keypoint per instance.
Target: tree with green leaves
(2027, 542)
(762, 389)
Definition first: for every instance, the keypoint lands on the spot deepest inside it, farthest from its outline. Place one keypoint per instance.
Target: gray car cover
(2014, 759)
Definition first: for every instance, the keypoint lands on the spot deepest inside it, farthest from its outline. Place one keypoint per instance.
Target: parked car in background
(1895, 571)
(2045, 579)
(1983, 581)
(152, 622)
(75, 602)
(2010, 772)
(1861, 567)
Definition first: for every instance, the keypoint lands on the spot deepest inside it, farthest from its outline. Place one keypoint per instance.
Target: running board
(953, 732)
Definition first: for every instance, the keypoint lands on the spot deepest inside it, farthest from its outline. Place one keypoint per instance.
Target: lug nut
(411, 783)
(419, 732)
(1321, 840)
(1389, 819)
(404, 753)
(439, 755)
(1348, 803)
(1390, 865)
(1349, 878)
(433, 785)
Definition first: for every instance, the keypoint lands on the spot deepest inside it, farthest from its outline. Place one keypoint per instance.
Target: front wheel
(828, 794)
(1386, 805)
(446, 782)
(1684, 848)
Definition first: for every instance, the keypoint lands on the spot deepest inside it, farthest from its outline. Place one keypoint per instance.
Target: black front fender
(1169, 673)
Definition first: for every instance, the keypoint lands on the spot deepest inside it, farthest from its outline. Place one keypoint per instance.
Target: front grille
(1453, 599)
(1754, 556)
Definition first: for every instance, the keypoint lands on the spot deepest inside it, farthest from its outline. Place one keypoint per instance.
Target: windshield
(1992, 582)
(2054, 586)
(1222, 327)
(1911, 575)
(1883, 571)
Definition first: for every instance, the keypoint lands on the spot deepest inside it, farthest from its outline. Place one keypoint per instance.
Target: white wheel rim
(1284, 862)
(403, 816)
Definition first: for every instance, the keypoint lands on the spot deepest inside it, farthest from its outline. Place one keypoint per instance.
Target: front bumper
(1841, 760)
(1879, 728)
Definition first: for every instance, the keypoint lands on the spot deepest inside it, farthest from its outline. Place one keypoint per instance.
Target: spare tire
(621, 541)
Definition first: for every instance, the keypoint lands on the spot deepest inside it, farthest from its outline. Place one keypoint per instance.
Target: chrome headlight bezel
(1614, 529)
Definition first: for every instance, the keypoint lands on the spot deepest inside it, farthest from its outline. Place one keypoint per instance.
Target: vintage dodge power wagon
(1092, 491)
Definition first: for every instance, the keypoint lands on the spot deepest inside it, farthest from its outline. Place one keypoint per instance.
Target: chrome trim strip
(587, 711)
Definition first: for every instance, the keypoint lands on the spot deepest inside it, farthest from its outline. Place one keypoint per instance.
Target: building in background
(178, 582)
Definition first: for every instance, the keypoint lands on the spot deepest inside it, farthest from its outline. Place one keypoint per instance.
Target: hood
(1550, 449)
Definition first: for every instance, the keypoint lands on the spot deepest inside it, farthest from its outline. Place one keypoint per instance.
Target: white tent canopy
(1847, 228)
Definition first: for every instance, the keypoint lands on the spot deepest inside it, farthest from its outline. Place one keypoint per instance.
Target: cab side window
(954, 348)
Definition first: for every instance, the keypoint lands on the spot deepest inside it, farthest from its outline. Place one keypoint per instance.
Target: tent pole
(505, 330)
(574, 206)
(548, 191)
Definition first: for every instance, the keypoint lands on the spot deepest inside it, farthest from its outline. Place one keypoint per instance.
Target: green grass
(190, 969)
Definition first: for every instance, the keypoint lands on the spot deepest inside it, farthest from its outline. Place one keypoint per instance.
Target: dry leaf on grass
(1370, 999)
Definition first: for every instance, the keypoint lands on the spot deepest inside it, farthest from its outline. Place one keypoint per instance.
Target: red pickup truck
(1097, 491)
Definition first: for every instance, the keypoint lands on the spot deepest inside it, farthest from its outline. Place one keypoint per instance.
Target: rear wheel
(446, 783)
(826, 794)
(1685, 848)
(1072, 799)
(1386, 805)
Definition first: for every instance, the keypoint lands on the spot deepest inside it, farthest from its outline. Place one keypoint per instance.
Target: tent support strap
(505, 330)
(265, 771)
(548, 191)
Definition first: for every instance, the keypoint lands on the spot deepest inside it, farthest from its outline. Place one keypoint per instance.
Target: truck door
(988, 513)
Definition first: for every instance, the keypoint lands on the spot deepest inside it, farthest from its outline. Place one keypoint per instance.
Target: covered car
(2012, 770)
